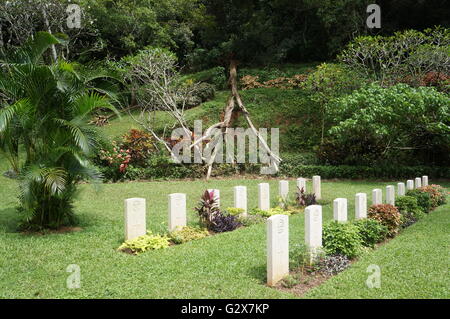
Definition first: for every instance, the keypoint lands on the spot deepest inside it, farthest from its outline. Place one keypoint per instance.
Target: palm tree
(46, 116)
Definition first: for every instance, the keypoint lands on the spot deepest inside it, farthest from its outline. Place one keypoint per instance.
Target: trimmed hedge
(361, 172)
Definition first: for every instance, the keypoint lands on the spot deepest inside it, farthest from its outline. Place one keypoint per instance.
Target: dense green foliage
(371, 231)
(395, 124)
(46, 113)
(409, 209)
(341, 238)
(387, 215)
(423, 199)
(144, 243)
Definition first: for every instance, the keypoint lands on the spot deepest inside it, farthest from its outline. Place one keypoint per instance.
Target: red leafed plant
(387, 215)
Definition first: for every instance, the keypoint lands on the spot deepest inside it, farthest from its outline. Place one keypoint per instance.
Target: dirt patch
(307, 280)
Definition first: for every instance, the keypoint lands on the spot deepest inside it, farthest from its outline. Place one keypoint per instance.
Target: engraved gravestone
(340, 209)
(264, 196)
(360, 206)
(277, 248)
(409, 184)
(313, 231)
(377, 197)
(401, 189)
(240, 198)
(390, 195)
(316, 187)
(418, 182)
(135, 225)
(177, 211)
(283, 189)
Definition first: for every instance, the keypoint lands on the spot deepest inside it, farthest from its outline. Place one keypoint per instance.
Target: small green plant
(187, 233)
(234, 211)
(144, 243)
(371, 231)
(341, 238)
(423, 199)
(409, 209)
(270, 212)
(250, 220)
(290, 281)
(387, 215)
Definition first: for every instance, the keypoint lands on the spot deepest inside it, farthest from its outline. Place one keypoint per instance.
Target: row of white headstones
(277, 225)
(135, 208)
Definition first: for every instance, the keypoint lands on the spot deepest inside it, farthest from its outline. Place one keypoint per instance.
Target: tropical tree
(45, 115)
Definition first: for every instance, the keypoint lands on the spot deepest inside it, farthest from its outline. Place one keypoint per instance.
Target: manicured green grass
(228, 265)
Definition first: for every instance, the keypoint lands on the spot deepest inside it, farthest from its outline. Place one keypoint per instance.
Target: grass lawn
(229, 265)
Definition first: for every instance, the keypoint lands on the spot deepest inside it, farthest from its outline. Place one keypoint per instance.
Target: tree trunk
(47, 25)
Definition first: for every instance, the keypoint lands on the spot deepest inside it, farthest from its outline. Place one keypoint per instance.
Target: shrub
(290, 281)
(334, 264)
(139, 145)
(251, 220)
(207, 209)
(409, 209)
(186, 234)
(143, 243)
(371, 231)
(341, 238)
(302, 199)
(270, 212)
(387, 215)
(437, 194)
(423, 199)
(234, 211)
(366, 120)
(223, 223)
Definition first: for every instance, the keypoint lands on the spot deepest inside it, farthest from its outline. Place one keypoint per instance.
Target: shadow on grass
(9, 220)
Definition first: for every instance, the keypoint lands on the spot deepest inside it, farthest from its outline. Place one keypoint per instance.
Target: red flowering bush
(117, 157)
(387, 215)
(437, 194)
(140, 145)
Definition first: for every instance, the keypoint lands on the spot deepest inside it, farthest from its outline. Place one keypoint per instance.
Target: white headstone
(377, 197)
(401, 189)
(360, 206)
(216, 195)
(277, 248)
(283, 188)
(424, 180)
(177, 211)
(135, 225)
(264, 196)
(390, 195)
(301, 183)
(313, 230)
(316, 187)
(240, 198)
(340, 209)
(409, 184)
(418, 182)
